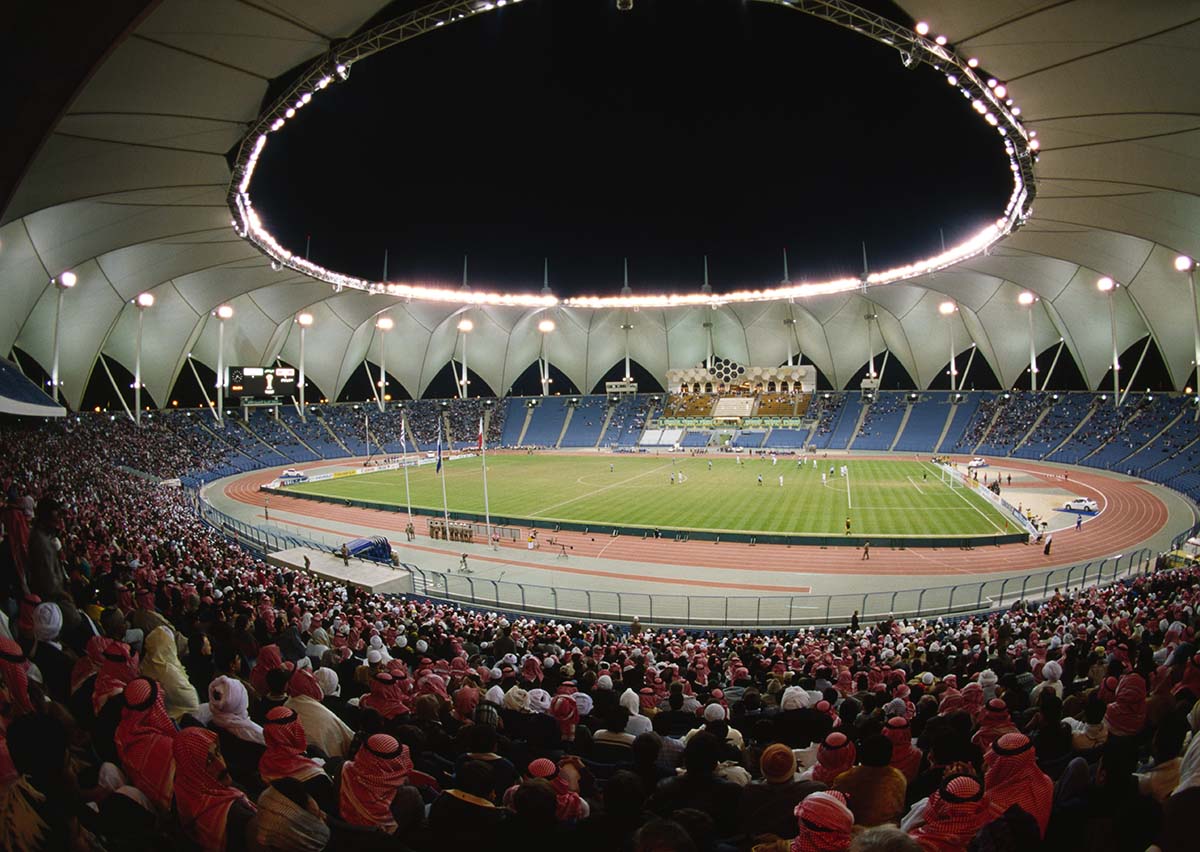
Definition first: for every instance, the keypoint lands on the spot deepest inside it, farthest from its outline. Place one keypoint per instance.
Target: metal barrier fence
(779, 610)
(715, 610)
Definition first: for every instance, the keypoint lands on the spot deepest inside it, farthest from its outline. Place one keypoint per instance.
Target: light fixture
(972, 62)
(546, 326)
(225, 312)
(1183, 263)
(1105, 284)
(1000, 91)
(66, 279)
(947, 308)
(465, 325)
(305, 319)
(145, 300)
(941, 40)
(922, 28)
(1026, 298)
(384, 323)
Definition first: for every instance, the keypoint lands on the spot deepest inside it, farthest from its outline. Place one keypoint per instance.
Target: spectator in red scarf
(954, 815)
(286, 757)
(824, 823)
(906, 757)
(834, 756)
(212, 812)
(1013, 778)
(145, 742)
(1126, 715)
(369, 783)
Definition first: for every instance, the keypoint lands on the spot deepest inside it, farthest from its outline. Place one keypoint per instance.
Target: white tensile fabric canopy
(129, 192)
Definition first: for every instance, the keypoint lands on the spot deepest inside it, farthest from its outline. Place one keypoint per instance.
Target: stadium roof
(129, 187)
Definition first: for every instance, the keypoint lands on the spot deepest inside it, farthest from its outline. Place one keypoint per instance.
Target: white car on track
(291, 471)
(1081, 504)
(977, 462)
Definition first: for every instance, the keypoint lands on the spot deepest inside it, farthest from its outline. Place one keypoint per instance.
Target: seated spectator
(322, 728)
(769, 806)
(289, 819)
(1013, 778)
(370, 784)
(874, 790)
(955, 813)
(161, 664)
(699, 787)
(1093, 734)
(213, 813)
(145, 741)
(466, 812)
(285, 756)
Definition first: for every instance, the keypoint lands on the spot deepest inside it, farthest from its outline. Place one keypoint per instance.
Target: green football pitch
(881, 496)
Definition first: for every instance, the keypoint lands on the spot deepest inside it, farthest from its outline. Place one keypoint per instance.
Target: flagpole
(487, 512)
(442, 470)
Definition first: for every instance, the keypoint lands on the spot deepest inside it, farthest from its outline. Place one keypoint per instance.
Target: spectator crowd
(162, 688)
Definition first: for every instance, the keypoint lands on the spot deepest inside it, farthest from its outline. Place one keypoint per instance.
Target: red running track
(1130, 514)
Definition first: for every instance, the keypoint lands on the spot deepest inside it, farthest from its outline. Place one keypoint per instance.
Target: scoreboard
(261, 382)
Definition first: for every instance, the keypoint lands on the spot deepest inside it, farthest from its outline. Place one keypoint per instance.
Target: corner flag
(481, 432)
(438, 468)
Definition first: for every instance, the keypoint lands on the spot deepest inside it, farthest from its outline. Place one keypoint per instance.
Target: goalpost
(950, 477)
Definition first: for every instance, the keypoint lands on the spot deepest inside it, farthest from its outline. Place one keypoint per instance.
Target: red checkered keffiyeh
(145, 740)
(1013, 778)
(370, 781)
(284, 756)
(824, 823)
(201, 799)
(955, 813)
(834, 756)
(905, 756)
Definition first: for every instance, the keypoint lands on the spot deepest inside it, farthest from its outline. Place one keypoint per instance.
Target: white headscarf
(629, 700)
(47, 622)
(495, 695)
(229, 704)
(794, 698)
(539, 700)
(1051, 672)
(327, 679)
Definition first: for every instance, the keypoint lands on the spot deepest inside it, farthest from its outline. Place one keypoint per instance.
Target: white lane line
(849, 499)
(599, 490)
(914, 484)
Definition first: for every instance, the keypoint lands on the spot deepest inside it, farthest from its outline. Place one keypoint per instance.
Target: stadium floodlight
(384, 324)
(922, 28)
(1028, 299)
(64, 282)
(946, 308)
(223, 313)
(304, 320)
(1108, 286)
(143, 301)
(545, 327)
(465, 327)
(1183, 263)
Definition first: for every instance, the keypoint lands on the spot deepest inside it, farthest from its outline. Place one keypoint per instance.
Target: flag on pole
(438, 468)
(481, 432)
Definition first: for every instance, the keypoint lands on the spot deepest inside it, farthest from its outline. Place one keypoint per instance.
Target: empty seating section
(1165, 443)
(586, 422)
(690, 405)
(312, 432)
(748, 439)
(926, 419)
(1173, 449)
(843, 429)
(274, 433)
(1020, 412)
(883, 418)
(733, 406)
(964, 414)
(976, 429)
(696, 439)
(1105, 421)
(627, 421)
(14, 386)
(786, 439)
(829, 411)
(1064, 415)
(546, 423)
(349, 423)
(515, 410)
(1151, 416)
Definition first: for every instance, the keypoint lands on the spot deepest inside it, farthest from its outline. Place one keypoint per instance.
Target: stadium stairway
(1058, 446)
(585, 422)
(900, 431)
(961, 414)
(983, 439)
(334, 435)
(545, 422)
(608, 416)
(924, 424)
(558, 442)
(863, 410)
(1036, 423)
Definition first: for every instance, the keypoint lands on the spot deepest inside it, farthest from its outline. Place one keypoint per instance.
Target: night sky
(686, 128)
